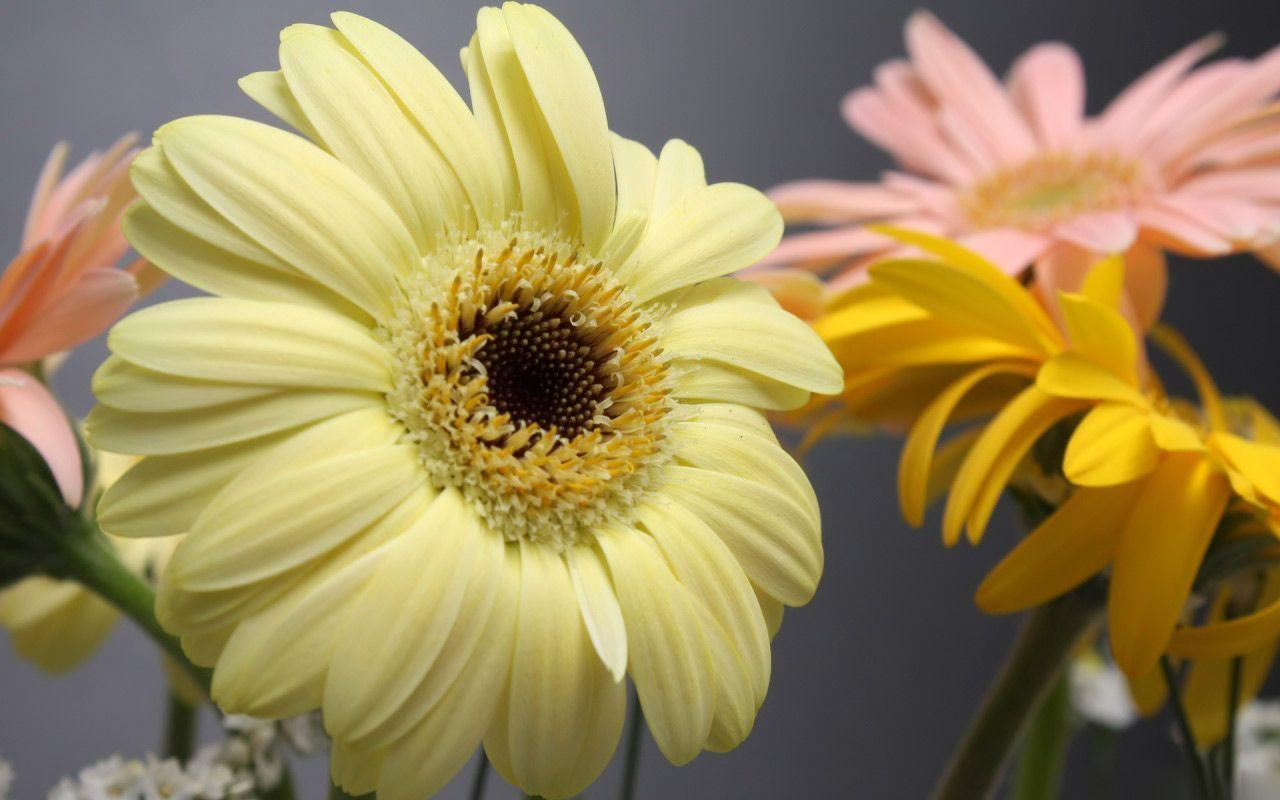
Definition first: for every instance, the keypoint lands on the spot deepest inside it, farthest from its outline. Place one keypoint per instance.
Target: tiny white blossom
(6, 779)
(1258, 746)
(1100, 694)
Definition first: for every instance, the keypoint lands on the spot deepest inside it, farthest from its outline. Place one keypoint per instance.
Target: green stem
(1043, 647)
(631, 773)
(89, 559)
(482, 775)
(179, 729)
(1229, 744)
(1199, 774)
(1039, 770)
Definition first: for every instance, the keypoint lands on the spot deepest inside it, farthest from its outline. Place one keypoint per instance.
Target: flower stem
(179, 729)
(631, 773)
(1199, 773)
(1229, 745)
(89, 559)
(1039, 769)
(1045, 643)
(482, 775)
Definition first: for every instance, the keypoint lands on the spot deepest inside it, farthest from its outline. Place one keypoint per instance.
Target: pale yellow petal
(599, 606)
(431, 101)
(709, 381)
(670, 661)
(679, 173)
(248, 341)
(710, 232)
(569, 104)
(774, 538)
(297, 201)
(484, 104)
(128, 387)
(361, 123)
(270, 90)
(558, 684)
(635, 167)
(70, 634)
(248, 533)
(737, 323)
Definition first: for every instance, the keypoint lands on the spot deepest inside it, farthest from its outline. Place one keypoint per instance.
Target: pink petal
(799, 292)
(1102, 232)
(1146, 281)
(905, 93)
(1132, 106)
(1165, 223)
(916, 147)
(37, 218)
(84, 310)
(1260, 183)
(965, 85)
(1009, 249)
(1225, 108)
(28, 408)
(1239, 148)
(837, 201)
(1175, 123)
(1233, 218)
(817, 250)
(1047, 85)
(31, 291)
(936, 200)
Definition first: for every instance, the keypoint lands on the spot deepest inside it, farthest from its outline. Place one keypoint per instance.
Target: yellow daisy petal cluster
(1148, 479)
(471, 428)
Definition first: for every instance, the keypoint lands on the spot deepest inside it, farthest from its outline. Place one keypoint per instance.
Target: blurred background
(873, 682)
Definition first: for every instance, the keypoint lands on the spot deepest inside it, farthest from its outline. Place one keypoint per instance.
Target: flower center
(530, 381)
(1053, 187)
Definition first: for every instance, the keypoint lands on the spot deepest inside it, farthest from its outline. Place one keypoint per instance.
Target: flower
(470, 430)
(1258, 746)
(1148, 478)
(6, 779)
(61, 290)
(57, 624)
(1180, 161)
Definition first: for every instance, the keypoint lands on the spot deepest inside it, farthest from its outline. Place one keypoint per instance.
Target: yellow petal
(1073, 375)
(1230, 638)
(737, 323)
(73, 624)
(1101, 335)
(709, 381)
(774, 539)
(297, 201)
(431, 101)
(772, 609)
(1112, 444)
(361, 123)
(1075, 543)
(1172, 343)
(247, 341)
(1158, 556)
(355, 771)
(599, 606)
(915, 463)
(991, 461)
(560, 691)
(269, 90)
(967, 301)
(670, 662)
(1104, 283)
(570, 106)
(710, 232)
(1258, 462)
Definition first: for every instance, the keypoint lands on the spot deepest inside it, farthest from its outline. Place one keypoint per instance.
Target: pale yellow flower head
(471, 429)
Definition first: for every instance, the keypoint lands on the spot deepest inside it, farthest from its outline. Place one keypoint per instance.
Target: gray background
(874, 681)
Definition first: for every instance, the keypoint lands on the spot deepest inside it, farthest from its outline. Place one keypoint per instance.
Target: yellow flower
(57, 624)
(471, 430)
(1149, 481)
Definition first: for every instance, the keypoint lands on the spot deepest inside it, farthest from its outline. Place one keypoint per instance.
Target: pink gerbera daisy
(62, 289)
(1187, 159)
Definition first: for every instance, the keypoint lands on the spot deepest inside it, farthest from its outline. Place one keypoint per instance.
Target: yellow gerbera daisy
(472, 428)
(1149, 479)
